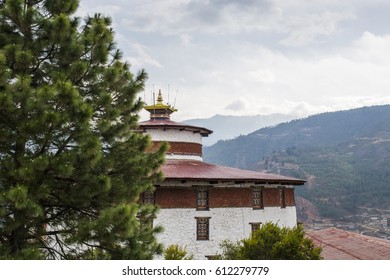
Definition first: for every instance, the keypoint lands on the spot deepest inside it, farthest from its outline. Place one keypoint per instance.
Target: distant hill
(344, 156)
(228, 127)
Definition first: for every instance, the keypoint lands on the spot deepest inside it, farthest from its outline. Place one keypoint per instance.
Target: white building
(204, 204)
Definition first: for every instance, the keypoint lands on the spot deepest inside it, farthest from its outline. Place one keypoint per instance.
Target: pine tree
(72, 165)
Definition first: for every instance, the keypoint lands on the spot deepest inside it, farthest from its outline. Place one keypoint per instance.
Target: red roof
(167, 123)
(339, 244)
(199, 170)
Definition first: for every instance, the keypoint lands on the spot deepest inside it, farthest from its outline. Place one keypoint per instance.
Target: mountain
(344, 156)
(228, 127)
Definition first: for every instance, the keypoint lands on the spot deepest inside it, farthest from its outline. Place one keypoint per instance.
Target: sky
(251, 57)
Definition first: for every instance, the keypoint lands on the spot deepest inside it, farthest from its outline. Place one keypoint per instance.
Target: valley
(343, 156)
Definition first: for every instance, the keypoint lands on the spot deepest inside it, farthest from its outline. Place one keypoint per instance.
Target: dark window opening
(202, 228)
(255, 227)
(282, 194)
(257, 197)
(202, 199)
(149, 198)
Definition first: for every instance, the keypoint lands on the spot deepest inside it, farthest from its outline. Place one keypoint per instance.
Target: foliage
(343, 178)
(72, 167)
(271, 242)
(176, 252)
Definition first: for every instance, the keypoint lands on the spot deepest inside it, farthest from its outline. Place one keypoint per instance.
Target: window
(213, 257)
(202, 228)
(257, 197)
(149, 198)
(202, 199)
(255, 226)
(282, 196)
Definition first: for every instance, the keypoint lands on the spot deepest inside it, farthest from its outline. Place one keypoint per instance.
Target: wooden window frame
(258, 197)
(149, 198)
(202, 198)
(213, 257)
(255, 226)
(202, 228)
(282, 196)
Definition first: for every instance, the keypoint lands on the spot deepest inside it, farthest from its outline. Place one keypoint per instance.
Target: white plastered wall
(181, 157)
(174, 135)
(224, 224)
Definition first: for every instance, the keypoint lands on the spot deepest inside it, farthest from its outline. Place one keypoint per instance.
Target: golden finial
(160, 110)
(159, 97)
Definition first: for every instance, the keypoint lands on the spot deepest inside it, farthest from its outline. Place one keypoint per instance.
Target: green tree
(271, 242)
(72, 166)
(176, 252)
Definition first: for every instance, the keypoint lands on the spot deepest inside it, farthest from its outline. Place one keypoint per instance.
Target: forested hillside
(344, 156)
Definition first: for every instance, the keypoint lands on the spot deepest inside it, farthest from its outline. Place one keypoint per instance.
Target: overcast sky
(256, 56)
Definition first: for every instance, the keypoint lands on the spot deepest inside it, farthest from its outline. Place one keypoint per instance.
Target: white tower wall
(174, 135)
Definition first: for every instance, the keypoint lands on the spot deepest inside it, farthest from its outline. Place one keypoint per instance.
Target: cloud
(372, 48)
(268, 81)
(184, 16)
(305, 29)
(142, 57)
(262, 76)
(239, 105)
(296, 23)
(186, 40)
(165, 17)
(232, 16)
(251, 79)
(251, 57)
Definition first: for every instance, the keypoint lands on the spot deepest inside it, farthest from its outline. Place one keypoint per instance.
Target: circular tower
(185, 141)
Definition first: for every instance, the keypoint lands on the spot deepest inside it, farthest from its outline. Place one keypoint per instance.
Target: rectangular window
(202, 228)
(202, 199)
(257, 197)
(255, 226)
(282, 195)
(213, 257)
(149, 198)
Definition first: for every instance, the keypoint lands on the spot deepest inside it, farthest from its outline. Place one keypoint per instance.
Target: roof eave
(239, 181)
